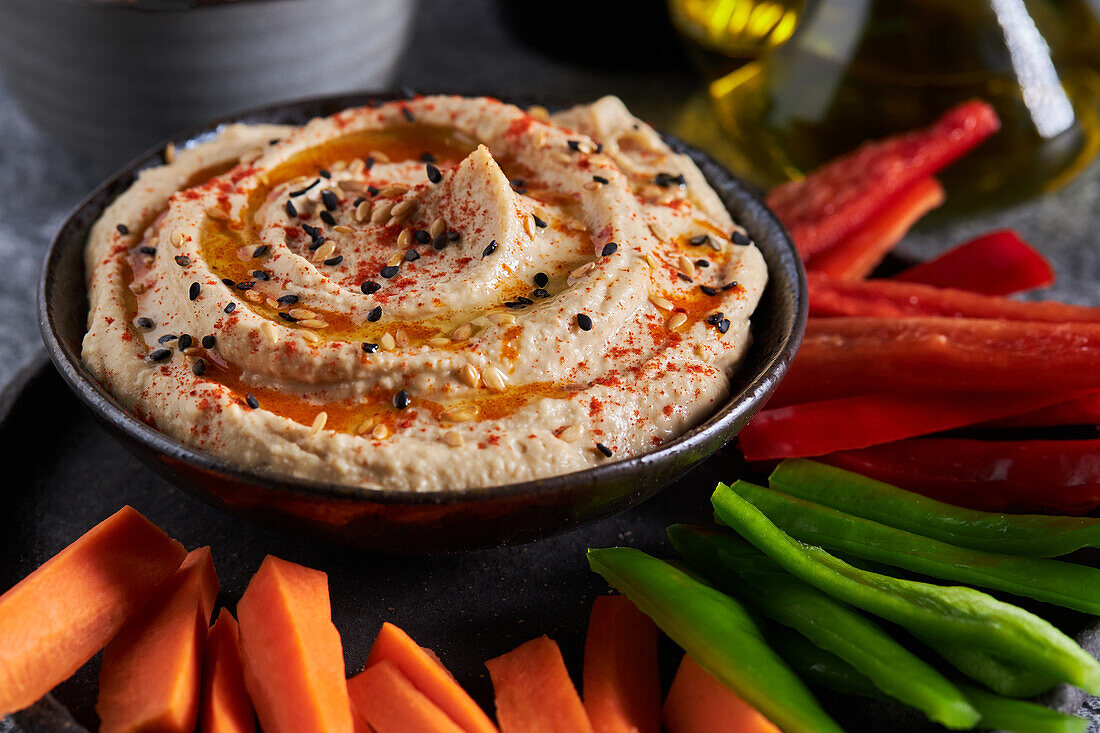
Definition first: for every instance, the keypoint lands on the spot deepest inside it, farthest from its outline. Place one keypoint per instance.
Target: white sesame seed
(170, 153)
(381, 213)
(343, 229)
(387, 342)
(176, 239)
(571, 433)
(437, 227)
(324, 251)
(318, 423)
(452, 438)
(362, 211)
(401, 338)
(270, 332)
(404, 239)
(365, 426)
(438, 341)
(493, 378)
(216, 213)
(677, 321)
(539, 112)
(652, 261)
(659, 231)
(380, 432)
(310, 336)
(663, 303)
(460, 414)
(469, 375)
(687, 266)
(463, 332)
(395, 189)
(312, 323)
(253, 296)
(502, 319)
(401, 210)
(301, 313)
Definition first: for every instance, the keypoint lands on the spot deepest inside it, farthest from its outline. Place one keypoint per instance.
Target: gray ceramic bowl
(420, 522)
(105, 80)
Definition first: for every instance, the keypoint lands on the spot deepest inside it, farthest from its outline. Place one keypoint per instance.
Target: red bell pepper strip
(997, 263)
(817, 428)
(849, 356)
(830, 298)
(855, 257)
(1060, 476)
(842, 196)
(1083, 410)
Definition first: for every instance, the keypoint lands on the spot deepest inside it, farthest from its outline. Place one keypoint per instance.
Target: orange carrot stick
(291, 653)
(390, 703)
(699, 702)
(56, 618)
(430, 677)
(855, 257)
(152, 670)
(225, 705)
(622, 685)
(534, 693)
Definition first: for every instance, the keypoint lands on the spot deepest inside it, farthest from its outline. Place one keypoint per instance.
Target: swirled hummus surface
(442, 293)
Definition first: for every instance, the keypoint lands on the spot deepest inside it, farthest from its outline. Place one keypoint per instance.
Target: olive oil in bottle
(854, 70)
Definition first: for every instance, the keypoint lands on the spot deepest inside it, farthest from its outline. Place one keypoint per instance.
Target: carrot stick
(855, 257)
(534, 693)
(291, 653)
(56, 618)
(225, 705)
(430, 677)
(390, 703)
(699, 702)
(151, 671)
(622, 685)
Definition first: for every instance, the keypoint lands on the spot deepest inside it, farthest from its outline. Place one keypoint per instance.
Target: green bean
(946, 614)
(738, 567)
(1053, 581)
(1034, 535)
(718, 633)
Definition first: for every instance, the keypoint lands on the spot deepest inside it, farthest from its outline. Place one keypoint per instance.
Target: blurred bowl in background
(106, 80)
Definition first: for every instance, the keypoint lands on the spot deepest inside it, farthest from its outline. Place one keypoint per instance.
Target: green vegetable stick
(718, 633)
(830, 671)
(949, 614)
(736, 566)
(1053, 581)
(998, 675)
(1034, 535)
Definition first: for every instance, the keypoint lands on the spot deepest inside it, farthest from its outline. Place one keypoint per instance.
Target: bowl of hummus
(423, 322)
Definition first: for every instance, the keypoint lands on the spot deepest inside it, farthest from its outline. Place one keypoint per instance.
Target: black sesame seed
(313, 232)
(166, 338)
(422, 236)
(358, 201)
(408, 114)
(603, 449)
(369, 347)
(230, 307)
(600, 179)
(427, 157)
(329, 199)
(144, 322)
(714, 318)
(524, 301)
(334, 261)
(375, 313)
(740, 239)
(599, 148)
(683, 277)
(287, 317)
(274, 141)
(369, 162)
(453, 236)
(372, 190)
(515, 305)
(245, 285)
(401, 400)
(300, 191)
(708, 290)
(327, 218)
(664, 180)
(316, 244)
(227, 282)
(288, 299)
(389, 271)
(147, 250)
(492, 247)
(198, 368)
(609, 249)
(185, 341)
(290, 210)
(538, 222)
(407, 92)
(698, 240)
(518, 183)
(123, 229)
(433, 173)
(541, 278)
(251, 400)
(730, 285)
(440, 241)
(193, 291)
(208, 341)
(323, 173)
(584, 322)
(540, 293)
(411, 255)
(574, 145)
(160, 355)
(724, 325)
(369, 287)
(182, 260)
(260, 251)
(261, 275)
(702, 263)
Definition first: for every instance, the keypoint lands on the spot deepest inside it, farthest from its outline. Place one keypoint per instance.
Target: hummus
(441, 293)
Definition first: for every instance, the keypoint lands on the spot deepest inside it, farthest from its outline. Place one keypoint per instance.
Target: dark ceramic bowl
(422, 522)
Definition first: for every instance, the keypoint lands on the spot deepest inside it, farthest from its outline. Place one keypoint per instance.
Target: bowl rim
(104, 406)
